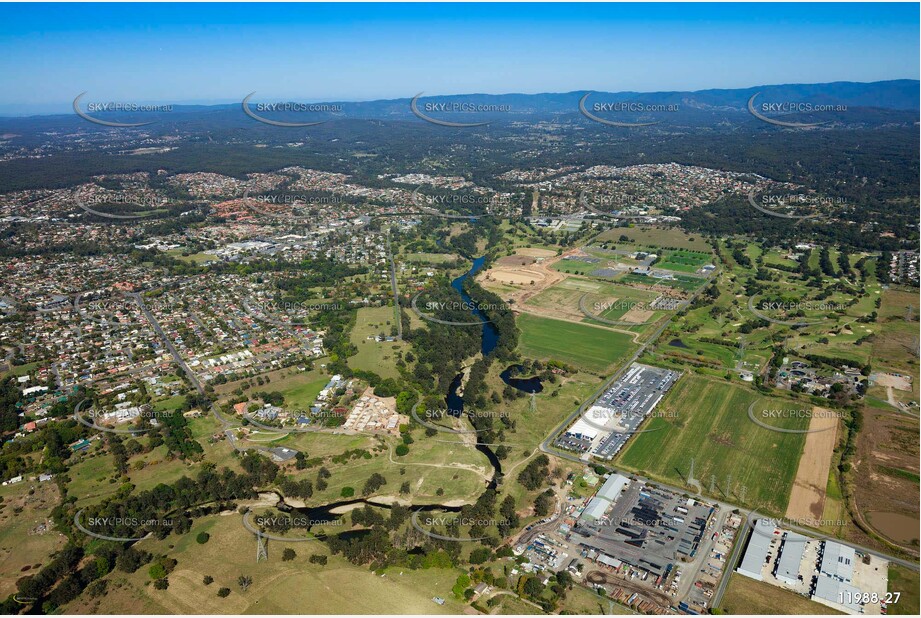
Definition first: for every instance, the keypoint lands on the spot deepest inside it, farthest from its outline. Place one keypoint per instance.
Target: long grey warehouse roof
(759, 543)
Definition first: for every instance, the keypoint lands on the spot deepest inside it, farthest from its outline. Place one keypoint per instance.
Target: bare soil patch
(534, 252)
(637, 316)
(807, 499)
(515, 260)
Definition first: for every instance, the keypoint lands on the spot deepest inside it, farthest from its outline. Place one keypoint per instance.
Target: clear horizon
(217, 53)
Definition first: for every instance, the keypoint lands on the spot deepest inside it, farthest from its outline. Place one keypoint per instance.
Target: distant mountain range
(900, 95)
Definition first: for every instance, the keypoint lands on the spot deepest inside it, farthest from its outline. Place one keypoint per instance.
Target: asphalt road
(396, 291)
(547, 448)
(168, 342)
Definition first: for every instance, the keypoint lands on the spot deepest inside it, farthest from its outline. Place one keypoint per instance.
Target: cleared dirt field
(535, 252)
(886, 490)
(523, 276)
(513, 282)
(515, 260)
(807, 500)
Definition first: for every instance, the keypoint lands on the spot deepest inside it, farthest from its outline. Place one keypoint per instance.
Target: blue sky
(221, 52)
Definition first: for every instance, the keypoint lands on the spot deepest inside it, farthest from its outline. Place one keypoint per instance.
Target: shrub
(202, 538)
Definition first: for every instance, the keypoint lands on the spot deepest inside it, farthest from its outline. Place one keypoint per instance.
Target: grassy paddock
(747, 596)
(709, 422)
(595, 349)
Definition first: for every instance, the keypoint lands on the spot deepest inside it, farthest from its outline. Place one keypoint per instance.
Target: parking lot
(624, 406)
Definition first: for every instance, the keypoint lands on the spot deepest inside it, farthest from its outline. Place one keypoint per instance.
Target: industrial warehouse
(606, 426)
(826, 571)
(632, 527)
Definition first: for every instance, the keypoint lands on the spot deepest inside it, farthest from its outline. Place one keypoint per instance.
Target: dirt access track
(519, 272)
(807, 500)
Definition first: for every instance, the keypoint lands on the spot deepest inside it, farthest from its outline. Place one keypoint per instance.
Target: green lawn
(684, 261)
(595, 349)
(377, 356)
(711, 424)
(904, 581)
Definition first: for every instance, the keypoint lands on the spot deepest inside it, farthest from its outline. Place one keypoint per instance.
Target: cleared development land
(807, 500)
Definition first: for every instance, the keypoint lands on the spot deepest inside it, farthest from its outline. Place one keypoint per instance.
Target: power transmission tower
(742, 494)
(712, 483)
(728, 485)
(691, 473)
(533, 405)
(262, 552)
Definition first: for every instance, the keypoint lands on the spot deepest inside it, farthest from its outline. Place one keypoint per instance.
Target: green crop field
(684, 261)
(711, 424)
(679, 282)
(593, 348)
(578, 267)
